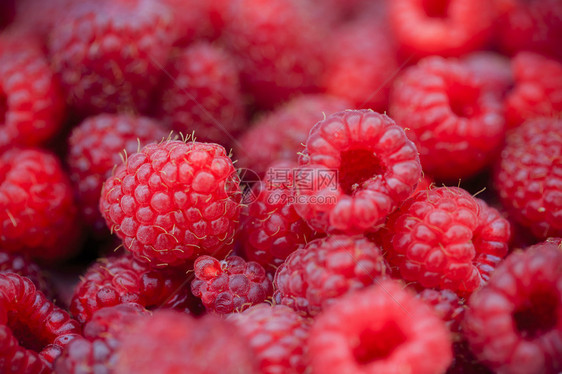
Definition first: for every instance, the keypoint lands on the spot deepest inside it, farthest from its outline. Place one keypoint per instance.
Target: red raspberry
(361, 64)
(109, 54)
(37, 210)
(278, 336)
(314, 276)
(38, 16)
(530, 26)
(95, 147)
(122, 279)
(513, 324)
(203, 95)
(231, 285)
(279, 46)
(455, 122)
(113, 320)
(528, 176)
(22, 265)
(33, 331)
(441, 27)
(382, 329)
(31, 100)
(208, 345)
(357, 167)
(537, 91)
(279, 134)
(446, 305)
(191, 18)
(271, 229)
(493, 70)
(445, 238)
(174, 201)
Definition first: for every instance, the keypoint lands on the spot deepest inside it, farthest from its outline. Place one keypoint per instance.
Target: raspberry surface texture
(173, 201)
(279, 134)
(356, 168)
(203, 95)
(37, 209)
(314, 276)
(386, 330)
(445, 238)
(457, 125)
(446, 305)
(528, 176)
(109, 54)
(31, 100)
(33, 332)
(121, 280)
(513, 324)
(230, 285)
(97, 145)
(278, 337)
(24, 266)
(492, 69)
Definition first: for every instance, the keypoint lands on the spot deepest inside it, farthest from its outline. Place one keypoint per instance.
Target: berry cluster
(280, 186)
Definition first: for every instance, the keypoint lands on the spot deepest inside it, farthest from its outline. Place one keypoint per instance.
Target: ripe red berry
(446, 305)
(357, 167)
(109, 54)
(315, 275)
(203, 95)
(96, 146)
(492, 69)
(33, 331)
(277, 335)
(381, 329)
(528, 176)
(445, 238)
(230, 285)
(174, 201)
(24, 266)
(513, 324)
(37, 209)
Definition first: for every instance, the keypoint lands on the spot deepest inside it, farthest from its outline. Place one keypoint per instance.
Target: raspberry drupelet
(37, 209)
(528, 176)
(457, 124)
(315, 275)
(446, 305)
(174, 201)
(356, 168)
(122, 279)
(95, 147)
(514, 324)
(203, 95)
(278, 337)
(381, 329)
(109, 54)
(445, 238)
(33, 331)
(24, 266)
(231, 285)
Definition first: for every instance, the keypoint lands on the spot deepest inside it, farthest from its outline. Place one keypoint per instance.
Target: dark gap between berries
(357, 166)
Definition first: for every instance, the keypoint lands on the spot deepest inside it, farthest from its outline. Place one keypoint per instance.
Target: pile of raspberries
(280, 186)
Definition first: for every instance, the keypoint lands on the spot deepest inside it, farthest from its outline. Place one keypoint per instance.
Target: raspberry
(113, 320)
(314, 276)
(446, 305)
(456, 124)
(203, 94)
(513, 324)
(493, 70)
(382, 329)
(445, 238)
(271, 229)
(441, 27)
(360, 65)
(279, 48)
(95, 147)
(537, 91)
(22, 265)
(191, 18)
(357, 167)
(38, 17)
(33, 332)
(279, 134)
(122, 279)
(231, 285)
(31, 100)
(206, 346)
(37, 210)
(109, 54)
(174, 201)
(530, 26)
(528, 176)
(278, 336)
